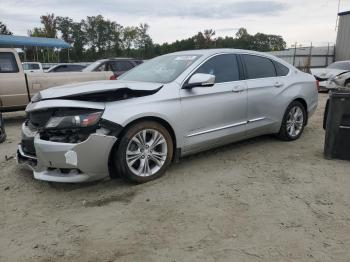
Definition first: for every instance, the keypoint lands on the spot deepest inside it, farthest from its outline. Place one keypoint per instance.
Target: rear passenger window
(224, 67)
(62, 68)
(101, 68)
(8, 63)
(258, 67)
(281, 70)
(124, 65)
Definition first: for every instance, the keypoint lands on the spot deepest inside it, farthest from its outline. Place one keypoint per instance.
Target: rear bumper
(71, 163)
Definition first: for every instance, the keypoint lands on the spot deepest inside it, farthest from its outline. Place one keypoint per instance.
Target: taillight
(318, 85)
(113, 77)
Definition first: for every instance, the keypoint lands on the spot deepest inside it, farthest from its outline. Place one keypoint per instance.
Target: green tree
(96, 37)
(143, 41)
(208, 36)
(129, 36)
(4, 30)
(49, 23)
(65, 26)
(37, 32)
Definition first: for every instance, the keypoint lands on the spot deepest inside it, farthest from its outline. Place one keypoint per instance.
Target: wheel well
(156, 119)
(161, 121)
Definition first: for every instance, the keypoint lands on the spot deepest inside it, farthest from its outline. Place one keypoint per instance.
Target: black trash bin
(337, 125)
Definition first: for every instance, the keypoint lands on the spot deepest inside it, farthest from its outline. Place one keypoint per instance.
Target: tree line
(97, 37)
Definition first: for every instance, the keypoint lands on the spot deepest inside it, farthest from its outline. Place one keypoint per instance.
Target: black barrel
(337, 125)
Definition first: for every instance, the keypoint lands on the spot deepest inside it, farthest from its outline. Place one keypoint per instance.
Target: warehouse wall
(342, 51)
(311, 56)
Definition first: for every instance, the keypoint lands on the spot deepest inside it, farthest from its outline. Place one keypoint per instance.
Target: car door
(265, 83)
(13, 90)
(215, 115)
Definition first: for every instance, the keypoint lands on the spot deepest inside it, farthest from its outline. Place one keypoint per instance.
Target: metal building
(342, 49)
(310, 56)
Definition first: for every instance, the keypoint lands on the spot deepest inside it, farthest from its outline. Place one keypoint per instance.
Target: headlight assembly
(74, 121)
(338, 77)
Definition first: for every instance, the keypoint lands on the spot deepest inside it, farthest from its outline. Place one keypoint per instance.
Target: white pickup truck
(17, 87)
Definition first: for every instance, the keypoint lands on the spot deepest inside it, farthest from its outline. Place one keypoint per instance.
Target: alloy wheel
(146, 152)
(295, 121)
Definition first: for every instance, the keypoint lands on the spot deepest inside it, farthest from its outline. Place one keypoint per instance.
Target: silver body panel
(52, 156)
(201, 118)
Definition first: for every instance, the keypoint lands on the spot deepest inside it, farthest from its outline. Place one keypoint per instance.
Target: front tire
(294, 121)
(144, 152)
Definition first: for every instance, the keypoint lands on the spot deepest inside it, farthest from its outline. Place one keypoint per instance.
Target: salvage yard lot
(257, 200)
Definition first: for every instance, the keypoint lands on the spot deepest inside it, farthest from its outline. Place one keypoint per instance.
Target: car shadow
(232, 147)
(120, 184)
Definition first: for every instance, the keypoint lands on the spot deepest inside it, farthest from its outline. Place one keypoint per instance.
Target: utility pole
(337, 20)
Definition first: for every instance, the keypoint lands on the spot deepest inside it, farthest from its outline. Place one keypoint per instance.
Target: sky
(300, 21)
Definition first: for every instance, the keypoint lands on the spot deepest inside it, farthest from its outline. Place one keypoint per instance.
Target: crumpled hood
(61, 92)
(326, 73)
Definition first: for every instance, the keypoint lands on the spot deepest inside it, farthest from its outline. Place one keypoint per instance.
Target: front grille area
(28, 146)
(67, 136)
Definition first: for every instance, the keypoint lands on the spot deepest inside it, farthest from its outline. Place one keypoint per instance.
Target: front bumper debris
(67, 162)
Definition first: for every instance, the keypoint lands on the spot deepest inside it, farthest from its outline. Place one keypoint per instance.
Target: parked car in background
(331, 71)
(17, 87)
(117, 65)
(173, 105)
(339, 81)
(32, 67)
(66, 68)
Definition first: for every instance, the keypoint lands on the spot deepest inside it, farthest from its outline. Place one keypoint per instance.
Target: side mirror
(200, 80)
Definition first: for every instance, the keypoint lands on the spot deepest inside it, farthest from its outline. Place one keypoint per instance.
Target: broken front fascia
(66, 162)
(85, 161)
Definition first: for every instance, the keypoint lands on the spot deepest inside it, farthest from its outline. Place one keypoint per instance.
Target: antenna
(337, 20)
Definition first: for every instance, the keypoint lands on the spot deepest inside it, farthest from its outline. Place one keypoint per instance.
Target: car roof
(209, 52)
(67, 64)
(118, 58)
(214, 51)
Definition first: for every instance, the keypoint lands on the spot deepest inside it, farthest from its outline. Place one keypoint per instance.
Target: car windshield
(162, 69)
(31, 66)
(340, 65)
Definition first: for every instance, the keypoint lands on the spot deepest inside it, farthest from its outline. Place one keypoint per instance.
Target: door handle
(278, 84)
(237, 89)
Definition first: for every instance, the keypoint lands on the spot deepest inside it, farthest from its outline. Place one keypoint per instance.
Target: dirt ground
(258, 200)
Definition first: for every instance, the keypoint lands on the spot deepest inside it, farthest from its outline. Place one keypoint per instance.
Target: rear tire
(144, 152)
(294, 121)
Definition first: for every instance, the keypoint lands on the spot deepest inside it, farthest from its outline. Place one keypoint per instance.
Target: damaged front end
(65, 138)
(67, 144)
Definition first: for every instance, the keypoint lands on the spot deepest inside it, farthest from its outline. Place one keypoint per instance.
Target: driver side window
(224, 67)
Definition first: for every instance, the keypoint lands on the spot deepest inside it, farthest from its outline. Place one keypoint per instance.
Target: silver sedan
(171, 106)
